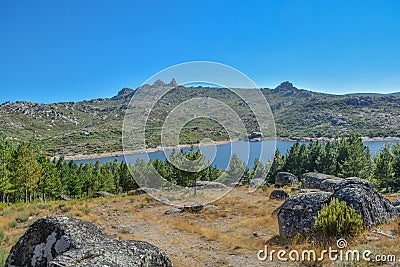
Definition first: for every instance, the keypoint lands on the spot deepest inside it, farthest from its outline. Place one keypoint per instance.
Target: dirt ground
(228, 232)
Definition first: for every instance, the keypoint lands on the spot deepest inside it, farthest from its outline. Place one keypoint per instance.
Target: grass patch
(3, 256)
(11, 224)
(21, 218)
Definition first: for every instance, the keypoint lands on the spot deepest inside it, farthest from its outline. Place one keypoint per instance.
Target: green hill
(95, 126)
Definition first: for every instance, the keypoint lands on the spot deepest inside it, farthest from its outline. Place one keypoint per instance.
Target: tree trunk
(44, 197)
(26, 195)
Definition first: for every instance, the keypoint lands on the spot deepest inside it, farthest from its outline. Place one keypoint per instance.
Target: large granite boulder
(63, 241)
(366, 200)
(279, 194)
(396, 203)
(324, 182)
(285, 179)
(299, 212)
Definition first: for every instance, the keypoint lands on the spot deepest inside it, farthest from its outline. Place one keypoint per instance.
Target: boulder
(285, 179)
(207, 185)
(298, 190)
(313, 180)
(145, 190)
(396, 203)
(62, 241)
(102, 194)
(64, 197)
(299, 212)
(193, 208)
(256, 182)
(279, 194)
(366, 200)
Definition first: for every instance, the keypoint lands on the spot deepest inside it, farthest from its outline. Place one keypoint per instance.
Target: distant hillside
(95, 126)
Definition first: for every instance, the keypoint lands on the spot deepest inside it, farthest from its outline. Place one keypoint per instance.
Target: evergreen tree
(384, 170)
(277, 165)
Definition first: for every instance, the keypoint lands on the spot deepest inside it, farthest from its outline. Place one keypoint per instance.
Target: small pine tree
(337, 219)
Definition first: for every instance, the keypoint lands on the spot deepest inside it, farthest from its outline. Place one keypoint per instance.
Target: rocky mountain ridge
(94, 126)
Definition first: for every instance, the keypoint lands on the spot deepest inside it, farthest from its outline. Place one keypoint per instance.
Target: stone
(279, 194)
(313, 180)
(145, 190)
(193, 208)
(396, 203)
(62, 241)
(102, 194)
(208, 185)
(299, 212)
(285, 179)
(366, 200)
(64, 197)
(256, 182)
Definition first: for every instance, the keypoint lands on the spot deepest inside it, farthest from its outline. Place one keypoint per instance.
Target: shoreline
(158, 148)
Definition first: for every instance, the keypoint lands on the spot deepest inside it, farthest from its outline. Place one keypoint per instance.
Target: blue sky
(71, 50)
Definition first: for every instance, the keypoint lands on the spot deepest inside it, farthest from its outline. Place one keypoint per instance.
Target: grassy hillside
(95, 126)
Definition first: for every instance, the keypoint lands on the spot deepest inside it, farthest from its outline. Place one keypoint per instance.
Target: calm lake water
(220, 155)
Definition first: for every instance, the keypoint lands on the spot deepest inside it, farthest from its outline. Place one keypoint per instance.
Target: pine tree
(384, 170)
(6, 150)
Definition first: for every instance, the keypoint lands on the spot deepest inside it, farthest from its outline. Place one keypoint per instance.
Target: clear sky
(71, 50)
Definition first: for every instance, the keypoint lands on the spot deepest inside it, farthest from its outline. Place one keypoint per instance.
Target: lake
(220, 155)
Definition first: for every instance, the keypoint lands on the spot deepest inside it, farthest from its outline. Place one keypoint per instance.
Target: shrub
(337, 219)
(22, 218)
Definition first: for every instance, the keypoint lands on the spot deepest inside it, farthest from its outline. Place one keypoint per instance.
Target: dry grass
(220, 235)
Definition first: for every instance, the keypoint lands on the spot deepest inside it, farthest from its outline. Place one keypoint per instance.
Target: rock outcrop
(279, 194)
(285, 179)
(366, 200)
(396, 203)
(102, 194)
(299, 212)
(208, 185)
(63, 241)
(324, 182)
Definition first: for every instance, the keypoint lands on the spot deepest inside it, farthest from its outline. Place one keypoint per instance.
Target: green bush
(337, 219)
(22, 218)
(11, 224)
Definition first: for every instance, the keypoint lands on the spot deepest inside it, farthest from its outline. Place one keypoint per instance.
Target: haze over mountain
(95, 126)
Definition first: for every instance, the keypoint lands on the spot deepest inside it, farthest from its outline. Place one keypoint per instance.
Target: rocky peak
(285, 86)
(125, 91)
(159, 83)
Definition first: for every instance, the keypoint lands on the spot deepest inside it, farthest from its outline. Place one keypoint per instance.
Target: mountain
(94, 126)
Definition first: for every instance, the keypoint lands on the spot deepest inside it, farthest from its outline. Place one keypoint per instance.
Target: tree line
(345, 157)
(26, 174)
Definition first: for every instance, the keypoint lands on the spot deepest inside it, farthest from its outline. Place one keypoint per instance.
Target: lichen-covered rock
(366, 200)
(330, 184)
(256, 182)
(193, 208)
(102, 194)
(313, 180)
(63, 241)
(299, 212)
(145, 190)
(208, 185)
(396, 202)
(285, 179)
(279, 194)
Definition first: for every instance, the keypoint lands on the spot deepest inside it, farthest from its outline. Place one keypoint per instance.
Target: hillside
(94, 126)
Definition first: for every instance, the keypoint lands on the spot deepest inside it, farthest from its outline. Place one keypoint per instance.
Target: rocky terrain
(94, 126)
(227, 232)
